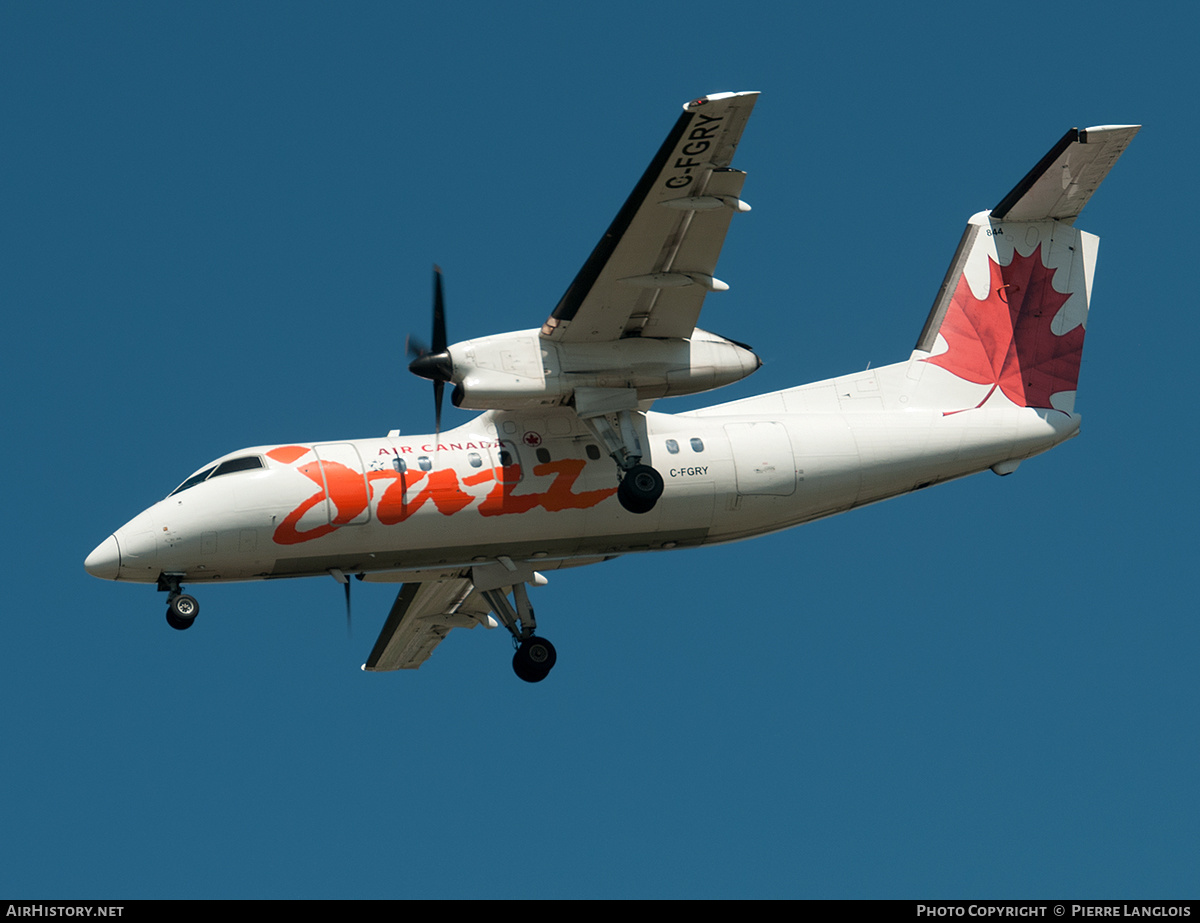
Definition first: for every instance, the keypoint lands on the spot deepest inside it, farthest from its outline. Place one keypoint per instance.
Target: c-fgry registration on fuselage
(568, 465)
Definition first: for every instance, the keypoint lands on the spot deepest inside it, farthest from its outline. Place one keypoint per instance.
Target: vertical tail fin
(1010, 316)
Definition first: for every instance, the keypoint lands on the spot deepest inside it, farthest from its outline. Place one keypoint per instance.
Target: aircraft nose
(105, 561)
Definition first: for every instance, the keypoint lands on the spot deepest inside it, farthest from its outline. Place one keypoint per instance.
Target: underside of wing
(421, 617)
(650, 271)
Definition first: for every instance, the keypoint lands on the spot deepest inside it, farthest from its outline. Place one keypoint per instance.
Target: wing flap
(420, 618)
(650, 271)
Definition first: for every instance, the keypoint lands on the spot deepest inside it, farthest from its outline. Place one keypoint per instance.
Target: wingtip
(1121, 133)
(694, 104)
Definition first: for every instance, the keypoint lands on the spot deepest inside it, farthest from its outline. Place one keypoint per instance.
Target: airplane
(567, 464)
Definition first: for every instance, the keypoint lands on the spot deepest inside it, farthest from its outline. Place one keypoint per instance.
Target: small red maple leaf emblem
(1005, 340)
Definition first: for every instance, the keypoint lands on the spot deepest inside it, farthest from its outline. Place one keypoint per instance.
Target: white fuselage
(535, 486)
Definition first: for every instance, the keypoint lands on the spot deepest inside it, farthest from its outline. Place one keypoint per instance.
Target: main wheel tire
(177, 623)
(534, 659)
(640, 489)
(183, 607)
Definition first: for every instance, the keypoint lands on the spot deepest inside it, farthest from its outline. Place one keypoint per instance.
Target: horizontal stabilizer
(1062, 182)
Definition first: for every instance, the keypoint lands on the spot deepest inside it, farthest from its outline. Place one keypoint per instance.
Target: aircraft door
(347, 499)
(762, 458)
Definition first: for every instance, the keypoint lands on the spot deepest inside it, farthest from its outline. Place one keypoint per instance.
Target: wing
(1062, 182)
(421, 617)
(652, 268)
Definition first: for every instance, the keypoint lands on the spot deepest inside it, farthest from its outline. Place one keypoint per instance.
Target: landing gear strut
(182, 609)
(534, 657)
(613, 418)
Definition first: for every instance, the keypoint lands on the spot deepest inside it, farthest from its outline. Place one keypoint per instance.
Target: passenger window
(398, 464)
(474, 459)
(697, 444)
(425, 463)
(593, 451)
(510, 460)
(672, 446)
(543, 455)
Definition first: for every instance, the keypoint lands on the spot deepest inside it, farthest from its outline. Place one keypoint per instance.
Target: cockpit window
(245, 463)
(192, 481)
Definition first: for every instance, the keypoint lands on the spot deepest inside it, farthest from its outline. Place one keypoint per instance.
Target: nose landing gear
(182, 609)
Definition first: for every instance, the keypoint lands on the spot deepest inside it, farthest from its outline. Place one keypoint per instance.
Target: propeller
(344, 579)
(433, 362)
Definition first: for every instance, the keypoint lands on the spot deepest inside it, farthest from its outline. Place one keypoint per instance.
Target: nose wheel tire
(640, 489)
(534, 659)
(182, 611)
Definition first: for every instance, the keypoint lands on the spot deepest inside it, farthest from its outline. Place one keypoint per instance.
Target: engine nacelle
(522, 369)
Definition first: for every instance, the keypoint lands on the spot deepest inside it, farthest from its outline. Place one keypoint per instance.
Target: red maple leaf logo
(1005, 340)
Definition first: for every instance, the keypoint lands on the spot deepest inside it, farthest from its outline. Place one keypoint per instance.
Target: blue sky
(219, 221)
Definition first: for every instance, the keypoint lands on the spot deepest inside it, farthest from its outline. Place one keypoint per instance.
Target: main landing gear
(533, 657)
(640, 489)
(613, 418)
(182, 609)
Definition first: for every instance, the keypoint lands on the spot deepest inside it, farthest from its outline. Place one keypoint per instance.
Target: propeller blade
(439, 313)
(414, 347)
(434, 362)
(439, 348)
(438, 388)
(342, 578)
